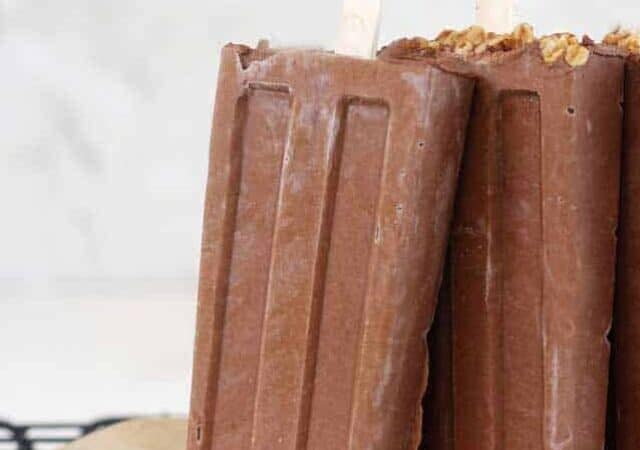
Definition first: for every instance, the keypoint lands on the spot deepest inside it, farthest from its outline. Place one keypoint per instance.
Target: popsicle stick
(495, 15)
(359, 25)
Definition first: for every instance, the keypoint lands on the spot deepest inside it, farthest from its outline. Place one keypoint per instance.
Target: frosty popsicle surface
(533, 242)
(330, 191)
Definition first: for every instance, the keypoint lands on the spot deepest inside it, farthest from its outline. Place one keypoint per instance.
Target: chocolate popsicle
(330, 191)
(533, 242)
(626, 363)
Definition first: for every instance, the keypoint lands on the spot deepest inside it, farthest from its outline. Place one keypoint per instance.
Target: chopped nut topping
(464, 48)
(576, 55)
(524, 33)
(557, 45)
(475, 35)
(477, 41)
(623, 39)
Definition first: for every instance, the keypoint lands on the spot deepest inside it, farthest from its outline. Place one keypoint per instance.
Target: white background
(105, 107)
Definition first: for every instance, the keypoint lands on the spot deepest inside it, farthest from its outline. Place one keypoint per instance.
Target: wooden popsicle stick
(359, 25)
(495, 15)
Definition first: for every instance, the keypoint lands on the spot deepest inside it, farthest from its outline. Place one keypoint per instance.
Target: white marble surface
(81, 359)
(105, 109)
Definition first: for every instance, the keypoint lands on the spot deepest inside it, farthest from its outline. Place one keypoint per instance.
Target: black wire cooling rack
(47, 436)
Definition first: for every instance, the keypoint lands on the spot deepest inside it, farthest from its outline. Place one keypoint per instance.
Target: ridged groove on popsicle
(265, 112)
(521, 246)
(357, 183)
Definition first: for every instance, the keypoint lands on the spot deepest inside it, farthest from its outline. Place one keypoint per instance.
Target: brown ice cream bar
(625, 408)
(330, 192)
(533, 244)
